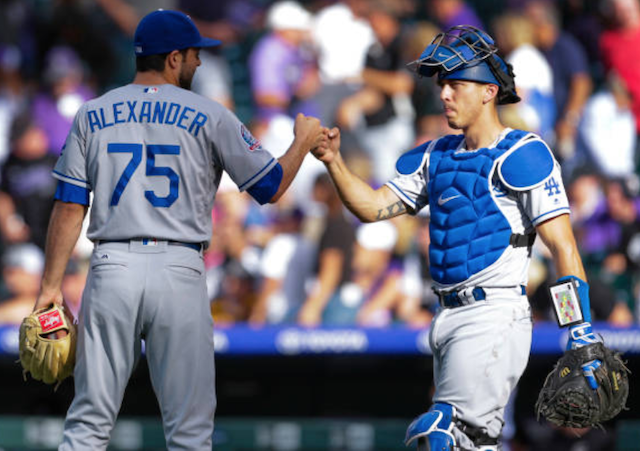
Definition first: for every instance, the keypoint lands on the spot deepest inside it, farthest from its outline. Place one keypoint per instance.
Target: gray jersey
(154, 156)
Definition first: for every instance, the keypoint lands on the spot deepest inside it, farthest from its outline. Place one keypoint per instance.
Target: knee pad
(433, 427)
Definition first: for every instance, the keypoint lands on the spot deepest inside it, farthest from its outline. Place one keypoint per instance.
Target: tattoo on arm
(391, 211)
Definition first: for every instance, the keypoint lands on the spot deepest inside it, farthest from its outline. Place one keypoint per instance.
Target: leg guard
(432, 430)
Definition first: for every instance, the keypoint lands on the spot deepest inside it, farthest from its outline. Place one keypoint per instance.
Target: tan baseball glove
(48, 344)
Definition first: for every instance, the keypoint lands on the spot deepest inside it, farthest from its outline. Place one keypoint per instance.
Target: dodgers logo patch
(251, 141)
(50, 321)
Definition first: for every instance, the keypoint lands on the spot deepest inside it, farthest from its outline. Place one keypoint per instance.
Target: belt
(195, 246)
(466, 296)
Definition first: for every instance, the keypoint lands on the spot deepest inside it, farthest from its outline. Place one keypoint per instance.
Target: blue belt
(452, 299)
(195, 246)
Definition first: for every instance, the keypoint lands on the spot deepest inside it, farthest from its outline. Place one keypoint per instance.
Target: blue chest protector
(468, 230)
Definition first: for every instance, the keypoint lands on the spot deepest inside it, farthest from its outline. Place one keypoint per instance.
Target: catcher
(48, 344)
(589, 384)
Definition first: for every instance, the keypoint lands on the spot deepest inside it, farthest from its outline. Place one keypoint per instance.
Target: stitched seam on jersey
(256, 174)
(401, 193)
(69, 177)
(548, 213)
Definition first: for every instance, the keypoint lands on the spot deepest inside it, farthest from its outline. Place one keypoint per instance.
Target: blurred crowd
(306, 260)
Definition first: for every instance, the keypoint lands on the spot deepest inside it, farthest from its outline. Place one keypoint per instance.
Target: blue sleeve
(264, 189)
(66, 192)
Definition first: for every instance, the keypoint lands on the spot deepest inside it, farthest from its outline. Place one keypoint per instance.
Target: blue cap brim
(207, 42)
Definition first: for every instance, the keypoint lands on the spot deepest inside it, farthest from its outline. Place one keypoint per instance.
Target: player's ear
(173, 59)
(491, 91)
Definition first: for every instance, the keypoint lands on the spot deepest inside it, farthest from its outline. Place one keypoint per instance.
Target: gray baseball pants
(157, 293)
(480, 351)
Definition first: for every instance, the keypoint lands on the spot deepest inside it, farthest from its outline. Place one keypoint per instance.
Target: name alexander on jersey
(151, 112)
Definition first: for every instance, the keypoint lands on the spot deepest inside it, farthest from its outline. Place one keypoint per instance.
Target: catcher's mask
(466, 53)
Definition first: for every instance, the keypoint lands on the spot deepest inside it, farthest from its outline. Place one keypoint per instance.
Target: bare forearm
(65, 226)
(578, 96)
(557, 235)
(367, 204)
(331, 265)
(568, 262)
(290, 162)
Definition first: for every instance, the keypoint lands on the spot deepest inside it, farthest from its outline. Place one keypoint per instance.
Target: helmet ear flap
(503, 72)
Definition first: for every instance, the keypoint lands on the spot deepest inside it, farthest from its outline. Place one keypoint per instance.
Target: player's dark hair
(154, 62)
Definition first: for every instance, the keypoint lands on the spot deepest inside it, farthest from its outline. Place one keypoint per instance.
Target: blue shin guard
(433, 429)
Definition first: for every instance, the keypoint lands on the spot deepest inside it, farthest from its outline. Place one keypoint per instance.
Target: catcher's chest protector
(468, 230)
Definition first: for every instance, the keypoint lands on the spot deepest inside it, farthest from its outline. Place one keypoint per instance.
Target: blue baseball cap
(164, 31)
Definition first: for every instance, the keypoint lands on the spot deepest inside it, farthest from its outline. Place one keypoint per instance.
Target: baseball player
(153, 153)
(490, 190)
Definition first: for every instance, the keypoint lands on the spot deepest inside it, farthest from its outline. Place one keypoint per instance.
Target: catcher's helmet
(464, 52)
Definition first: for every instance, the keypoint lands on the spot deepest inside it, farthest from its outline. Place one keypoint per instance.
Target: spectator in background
(380, 113)
(620, 50)
(536, 111)
(213, 78)
(118, 20)
(18, 29)
(449, 13)
(375, 280)
(335, 253)
(286, 266)
(232, 262)
(73, 24)
(571, 80)
(607, 131)
(283, 71)
(420, 301)
(22, 266)
(14, 95)
(425, 98)
(26, 186)
(227, 20)
(583, 19)
(65, 91)
(342, 36)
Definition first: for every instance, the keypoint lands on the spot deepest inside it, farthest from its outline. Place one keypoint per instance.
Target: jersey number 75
(151, 170)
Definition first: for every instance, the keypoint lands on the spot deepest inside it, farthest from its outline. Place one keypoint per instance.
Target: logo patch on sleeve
(50, 321)
(251, 141)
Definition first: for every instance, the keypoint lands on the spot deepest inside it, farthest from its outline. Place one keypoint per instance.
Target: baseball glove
(48, 344)
(567, 399)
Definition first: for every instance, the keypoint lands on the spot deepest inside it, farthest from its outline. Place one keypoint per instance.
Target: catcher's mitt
(567, 399)
(48, 344)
